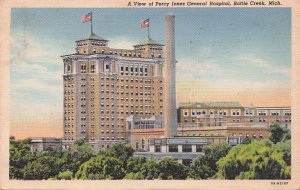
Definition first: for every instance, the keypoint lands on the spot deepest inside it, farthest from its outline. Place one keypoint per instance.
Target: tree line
(253, 159)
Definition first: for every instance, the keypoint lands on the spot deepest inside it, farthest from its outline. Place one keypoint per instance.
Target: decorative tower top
(91, 45)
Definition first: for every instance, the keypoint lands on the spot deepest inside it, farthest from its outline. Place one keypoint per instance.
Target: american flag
(145, 23)
(86, 18)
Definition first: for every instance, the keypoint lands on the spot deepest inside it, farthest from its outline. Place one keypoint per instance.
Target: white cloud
(255, 61)
(188, 69)
(264, 64)
(122, 43)
(37, 85)
(36, 76)
(196, 77)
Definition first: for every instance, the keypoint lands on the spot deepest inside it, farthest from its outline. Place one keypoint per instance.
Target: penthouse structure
(103, 86)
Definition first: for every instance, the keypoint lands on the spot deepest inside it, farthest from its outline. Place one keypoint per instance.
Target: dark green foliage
(257, 160)
(101, 167)
(287, 135)
(150, 169)
(78, 153)
(20, 156)
(246, 140)
(171, 169)
(214, 152)
(200, 169)
(135, 164)
(285, 146)
(119, 150)
(205, 167)
(43, 168)
(142, 168)
(278, 134)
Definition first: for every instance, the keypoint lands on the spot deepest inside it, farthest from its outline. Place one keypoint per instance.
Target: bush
(66, 175)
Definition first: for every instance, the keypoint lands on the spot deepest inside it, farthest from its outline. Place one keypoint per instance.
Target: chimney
(169, 86)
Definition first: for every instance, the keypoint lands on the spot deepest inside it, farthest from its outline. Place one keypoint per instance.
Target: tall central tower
(169, 96)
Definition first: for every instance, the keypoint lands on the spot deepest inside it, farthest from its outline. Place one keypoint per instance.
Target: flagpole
(149, 29)
(91, 22)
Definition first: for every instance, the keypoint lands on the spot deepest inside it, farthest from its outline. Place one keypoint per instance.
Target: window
(193, 113)
(235, 112)
(173, 148)
(157, 148)
(262, 112)
(199, 148)
(287, 113)
(92, 68)
(185, 113)
(186, 148)
(143, 143)
(274, 112)
(83, 68)
(106, 67)
(69, 67)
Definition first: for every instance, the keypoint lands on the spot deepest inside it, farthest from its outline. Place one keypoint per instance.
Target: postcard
(150, 94)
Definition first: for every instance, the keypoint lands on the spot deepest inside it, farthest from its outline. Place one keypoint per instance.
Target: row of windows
(111, 132)
(112, 138)
(185, 148)
(127, 93)
(112, 105)
(141, 80)
(239, 120)
(69, 85)
(122, 111)
(69, 125)
(233, 112)
(128, 54)
(112, 85)
(134, 69)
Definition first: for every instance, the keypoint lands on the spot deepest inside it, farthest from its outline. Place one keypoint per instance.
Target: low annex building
(218, 122)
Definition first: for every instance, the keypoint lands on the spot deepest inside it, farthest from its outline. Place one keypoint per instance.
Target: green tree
(101, 167)
(77, 154)
(277, 133)
(150, 169)
(286, 135)
(169, 168)
(200, 169)
(43, 167)
(19, 156)
(119, 150)
(205, 166)
(285, 146)
(260, 159)
(136, 164)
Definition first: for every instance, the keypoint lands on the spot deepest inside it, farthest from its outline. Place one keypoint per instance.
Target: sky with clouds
(224, 54)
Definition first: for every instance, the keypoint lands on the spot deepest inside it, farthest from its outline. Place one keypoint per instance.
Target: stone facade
(40, 144)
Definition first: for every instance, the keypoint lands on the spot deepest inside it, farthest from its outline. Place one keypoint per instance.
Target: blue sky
(219, 50)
